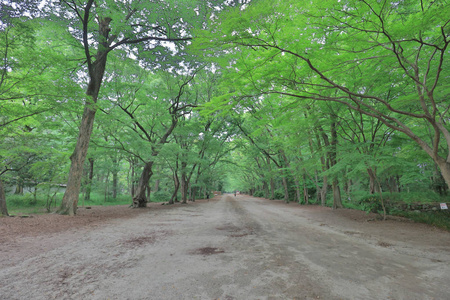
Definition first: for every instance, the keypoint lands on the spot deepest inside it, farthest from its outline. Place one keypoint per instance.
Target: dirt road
(233, 248)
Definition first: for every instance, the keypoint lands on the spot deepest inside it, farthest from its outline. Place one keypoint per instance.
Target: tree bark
(305, 190)
(87, 195)
(373, 186)
(3, 207)
(266, 189)
(284, 174)
(176, 183)
(324, 191)
(96, 72)
(297, 191)
(115, 173)
(19, 186)
(156, 185)
(140, 199)
(131, 182)
(184, 183)
(325, 162)
(444, 167)
(70, 199)
(286, 189)
(337, 201)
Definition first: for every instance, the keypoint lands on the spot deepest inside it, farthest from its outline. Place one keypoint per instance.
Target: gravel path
(234, 248)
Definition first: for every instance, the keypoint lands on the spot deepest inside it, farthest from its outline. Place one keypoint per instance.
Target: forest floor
(226, 248)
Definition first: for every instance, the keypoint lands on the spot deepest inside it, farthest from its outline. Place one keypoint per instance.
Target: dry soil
(226, 248)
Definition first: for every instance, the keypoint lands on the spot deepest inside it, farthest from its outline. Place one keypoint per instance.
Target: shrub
(160, 196)
(258, 194)
(372, 203)
(438, 218)
(278, 194)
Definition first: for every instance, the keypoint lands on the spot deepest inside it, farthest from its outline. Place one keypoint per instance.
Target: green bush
(371, 203)
(161, 196)
(438, 218)
(278, 194)
(26, 200)
(99, 199)
(258, 194)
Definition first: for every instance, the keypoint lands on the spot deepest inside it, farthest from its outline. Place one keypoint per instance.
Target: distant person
(235, 193)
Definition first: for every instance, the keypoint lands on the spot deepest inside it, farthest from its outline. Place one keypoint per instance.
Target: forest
(336, 103)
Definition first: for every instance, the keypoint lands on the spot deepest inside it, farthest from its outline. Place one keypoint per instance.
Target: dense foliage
(340, 103)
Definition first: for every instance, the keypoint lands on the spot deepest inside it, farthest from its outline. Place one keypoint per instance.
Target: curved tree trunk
(140, 199)
(176, 182)
(96, 72)
(70, 199)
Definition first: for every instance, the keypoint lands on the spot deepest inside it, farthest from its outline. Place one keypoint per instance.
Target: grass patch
(371, 203)
(100, 200)
(41, 204)
(440, 219)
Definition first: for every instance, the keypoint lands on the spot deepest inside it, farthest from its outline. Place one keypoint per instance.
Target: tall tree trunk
(193, 193)
(305, 190)
(439, 184)
(106, 186)
(140, 199)
(87, 195)
(157, 181)
(70, 199)
(115, 174)
(149, 192)
(325, 162)
(272, 182)
(156, 185)
(298, 194)
(114, 184)
(19, 186)
(3, 208)
(272, 188)
(96, 71)
(284, 174)
(286, 190)
(266, 189)
(316, 182)
(132, 182)
(184, 183)
(176, 183)
(337, 201)
(324, 191)
(373, 185)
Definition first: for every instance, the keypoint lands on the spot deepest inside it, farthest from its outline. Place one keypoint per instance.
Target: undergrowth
(39, 204)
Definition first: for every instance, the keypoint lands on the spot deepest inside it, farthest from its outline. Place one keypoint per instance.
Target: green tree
(382, 59)
(101, 27)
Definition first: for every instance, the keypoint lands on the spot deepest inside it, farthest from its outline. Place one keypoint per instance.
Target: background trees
(320, 103)
(371, 57)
